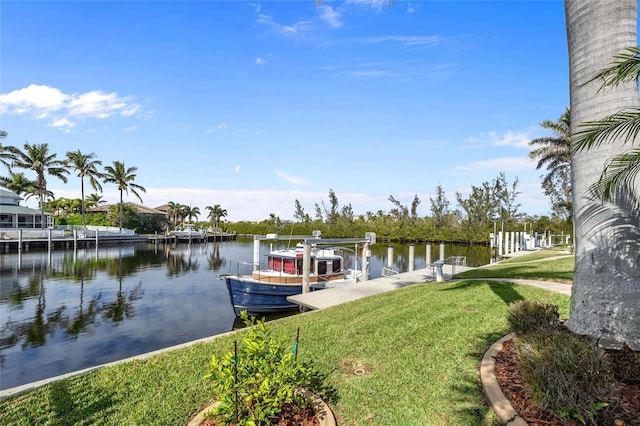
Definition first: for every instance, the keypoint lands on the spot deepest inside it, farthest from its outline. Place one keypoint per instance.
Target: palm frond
(625, 69)
(623, 125)
(620, 171)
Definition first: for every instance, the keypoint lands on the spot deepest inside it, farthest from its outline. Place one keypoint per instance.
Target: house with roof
(138, 208)
(14, 216)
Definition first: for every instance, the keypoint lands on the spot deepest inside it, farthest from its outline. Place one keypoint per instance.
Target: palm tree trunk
(121, 210)
(605, 300)
(84, 224)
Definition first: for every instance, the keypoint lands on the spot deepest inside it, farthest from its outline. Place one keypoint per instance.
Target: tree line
(491, 203)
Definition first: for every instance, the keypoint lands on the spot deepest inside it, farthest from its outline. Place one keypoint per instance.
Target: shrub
(253, 382)
(526, 316)
(569, 376)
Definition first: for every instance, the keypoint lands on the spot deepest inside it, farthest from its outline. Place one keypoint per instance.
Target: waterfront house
(14, 216)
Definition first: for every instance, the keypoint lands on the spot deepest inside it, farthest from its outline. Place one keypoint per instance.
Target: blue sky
(252, 105)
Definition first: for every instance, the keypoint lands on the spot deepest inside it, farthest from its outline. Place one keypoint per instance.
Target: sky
(253, 105)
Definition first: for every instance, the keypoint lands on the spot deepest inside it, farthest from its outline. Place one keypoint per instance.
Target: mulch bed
(510, 378)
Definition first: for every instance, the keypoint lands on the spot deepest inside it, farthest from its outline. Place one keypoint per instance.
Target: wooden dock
(349, 292)
(12, 244)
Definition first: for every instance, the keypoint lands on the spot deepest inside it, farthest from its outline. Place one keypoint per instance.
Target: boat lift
(315, 239)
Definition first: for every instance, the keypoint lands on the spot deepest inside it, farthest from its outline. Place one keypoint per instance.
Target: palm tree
(215, 213)
(123, 177)
(555, 152)
(4, 154)
(20, 184)
(191, 212)
(173, 212)
(94, 200)
(85, 165)
(605, 294)
(36, 157)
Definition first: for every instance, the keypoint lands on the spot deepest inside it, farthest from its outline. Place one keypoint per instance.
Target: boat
(189, 232)
(265, 290)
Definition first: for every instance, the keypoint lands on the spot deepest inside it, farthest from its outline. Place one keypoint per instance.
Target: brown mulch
(510, 379)
(291, 415)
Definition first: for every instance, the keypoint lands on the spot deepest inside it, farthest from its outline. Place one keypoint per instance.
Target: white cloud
(292, 179)
(130, 129)
(237, 169)
(45, 102)
(329, 16)
(62, 123)
(406, 40)
(510, 138)
(257, 7)
(298, 27)
(33, 97)
(260, 61)
(516, 164)
(376, 4)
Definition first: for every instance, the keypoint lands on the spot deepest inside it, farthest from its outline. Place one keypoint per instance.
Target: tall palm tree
(36, 157)
(85, 165)
(123, 177)
(554, 152)
(216, 213)
(605, 294)
(173, 212)
(191, 212)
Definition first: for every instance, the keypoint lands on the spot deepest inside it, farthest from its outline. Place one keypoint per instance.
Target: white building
(13, 215)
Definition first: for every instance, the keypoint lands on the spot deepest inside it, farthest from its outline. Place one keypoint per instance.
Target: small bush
(526, 316)
(568, 375)
(254, 384)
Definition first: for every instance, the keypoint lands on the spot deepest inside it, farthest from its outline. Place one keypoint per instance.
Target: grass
(534, 266)
(419, 349)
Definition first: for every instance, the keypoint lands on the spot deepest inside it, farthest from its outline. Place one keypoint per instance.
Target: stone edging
(492, 391)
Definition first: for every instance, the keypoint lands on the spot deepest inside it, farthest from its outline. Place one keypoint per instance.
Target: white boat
(266, 290)
(189, 232)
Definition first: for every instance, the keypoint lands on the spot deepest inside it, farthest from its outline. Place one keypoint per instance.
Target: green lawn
(534, 266)
(419, 347)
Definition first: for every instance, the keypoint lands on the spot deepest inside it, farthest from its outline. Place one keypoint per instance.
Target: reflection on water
(62, 311)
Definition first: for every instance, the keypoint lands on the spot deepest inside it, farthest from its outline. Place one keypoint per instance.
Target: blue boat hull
(260, 298)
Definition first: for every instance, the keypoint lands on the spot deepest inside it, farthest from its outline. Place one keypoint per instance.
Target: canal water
(66, 310)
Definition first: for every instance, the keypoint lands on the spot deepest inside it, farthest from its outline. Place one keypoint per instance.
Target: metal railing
(389, 272)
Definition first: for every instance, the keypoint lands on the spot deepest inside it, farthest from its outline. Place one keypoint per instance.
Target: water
(66, 310)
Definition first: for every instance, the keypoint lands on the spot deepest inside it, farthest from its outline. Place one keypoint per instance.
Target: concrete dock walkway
(349, 292)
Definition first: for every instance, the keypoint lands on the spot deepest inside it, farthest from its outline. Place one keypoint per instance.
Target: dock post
(428, 255)
(411, 257)
(256, 254)
(441, 252)
(19, 240)
(306, 266)
(49, 239)
(506, 243)
(96, 239)
(492, 244)
(390, 257)
(365, 262)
